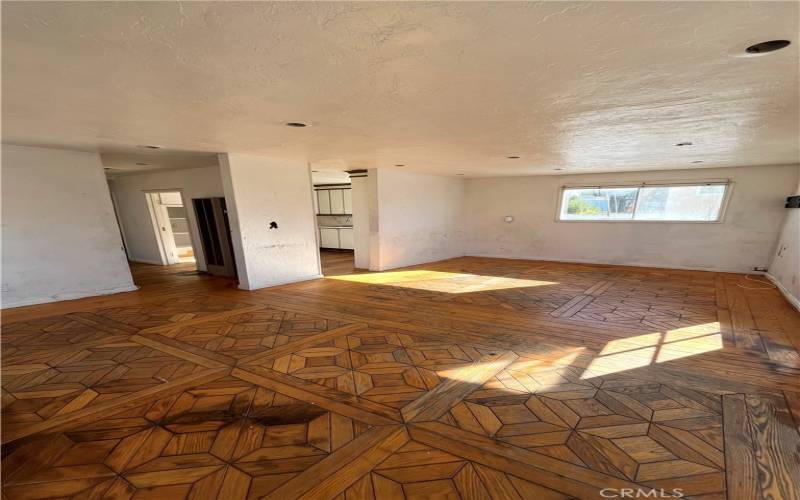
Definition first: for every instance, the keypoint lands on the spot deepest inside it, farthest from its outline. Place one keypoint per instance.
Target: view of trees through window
(694, 203)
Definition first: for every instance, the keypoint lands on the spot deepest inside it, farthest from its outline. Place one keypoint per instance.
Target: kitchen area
(333, 204)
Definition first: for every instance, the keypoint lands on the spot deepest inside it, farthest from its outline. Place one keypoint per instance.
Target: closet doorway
(215, 236)
(171, 226)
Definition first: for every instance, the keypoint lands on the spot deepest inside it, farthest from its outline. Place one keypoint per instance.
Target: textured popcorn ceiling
(440, 87)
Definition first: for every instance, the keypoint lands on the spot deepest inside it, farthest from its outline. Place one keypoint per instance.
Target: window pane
(598, 204)
(680, 203)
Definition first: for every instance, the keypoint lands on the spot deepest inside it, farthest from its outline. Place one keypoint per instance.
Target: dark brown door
(215, 236)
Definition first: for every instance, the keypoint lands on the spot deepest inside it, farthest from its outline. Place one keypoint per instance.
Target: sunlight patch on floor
(472, 372)
(440, 281)
(650, 348)
(563, 357)
(620, 362)
(689, 347)
(530, 375)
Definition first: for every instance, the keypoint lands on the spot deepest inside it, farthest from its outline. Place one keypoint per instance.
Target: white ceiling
(329, 177)
(439, 87)
(124, 163)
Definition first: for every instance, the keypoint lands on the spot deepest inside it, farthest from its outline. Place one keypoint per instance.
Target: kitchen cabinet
(337, 201)
(324, 201)
(336, 237)
(328, 237)
(348, 200)
(346, 238)
(334, 201)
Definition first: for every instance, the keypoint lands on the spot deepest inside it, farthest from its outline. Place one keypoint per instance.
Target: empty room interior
(386, 250)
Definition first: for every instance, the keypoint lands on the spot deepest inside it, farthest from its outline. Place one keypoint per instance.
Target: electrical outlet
(760, 269)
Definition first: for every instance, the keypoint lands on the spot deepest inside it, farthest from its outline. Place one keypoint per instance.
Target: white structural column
(258, 192)
(359, 184)
(405, 218)
(414, 218)
(373, 202)
(785, 267)
(60, 238)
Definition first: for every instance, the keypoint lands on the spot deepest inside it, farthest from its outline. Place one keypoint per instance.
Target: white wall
(134, 214)
(785, 267)
(259, 190)
(418, 218)
(60, 238)
(745, 239)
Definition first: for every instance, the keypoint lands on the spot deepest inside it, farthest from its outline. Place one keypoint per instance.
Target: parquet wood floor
(336, 262)
(468, 378)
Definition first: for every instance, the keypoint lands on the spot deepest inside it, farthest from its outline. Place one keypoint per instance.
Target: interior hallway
(472, 376)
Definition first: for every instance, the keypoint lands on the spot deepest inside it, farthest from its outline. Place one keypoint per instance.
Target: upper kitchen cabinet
(337, 201)
(348, 200)
(323, 201)
(334, 201)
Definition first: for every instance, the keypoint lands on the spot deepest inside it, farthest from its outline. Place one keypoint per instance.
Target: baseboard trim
(288, 282)
(69, 296)
(638, 264)
(145, 261)
(785, 291)
(416, 263)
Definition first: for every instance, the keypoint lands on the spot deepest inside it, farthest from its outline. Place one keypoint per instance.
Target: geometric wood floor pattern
(467, 378)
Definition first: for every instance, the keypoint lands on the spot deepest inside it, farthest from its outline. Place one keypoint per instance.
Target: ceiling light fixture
(684, 144)
(399, 165)
(766, 47)
(296, 124)
(513, 157)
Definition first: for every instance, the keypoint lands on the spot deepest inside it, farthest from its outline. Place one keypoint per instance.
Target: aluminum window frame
(723, 209)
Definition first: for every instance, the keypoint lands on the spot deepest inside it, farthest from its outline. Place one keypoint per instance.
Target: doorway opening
(215, 236)
(333, 207)
(171, 226)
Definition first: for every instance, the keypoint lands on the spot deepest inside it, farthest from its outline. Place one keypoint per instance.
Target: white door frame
(161, 226)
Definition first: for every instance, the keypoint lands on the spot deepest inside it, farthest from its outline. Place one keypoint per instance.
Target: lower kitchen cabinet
(335, 237)
(346, 238)
(328, 237)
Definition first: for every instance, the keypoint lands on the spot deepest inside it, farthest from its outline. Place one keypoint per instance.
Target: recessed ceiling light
(684, 144)
(698, 161)
(142, 164)
(296, 124)
(768, 46)
(513, 157)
